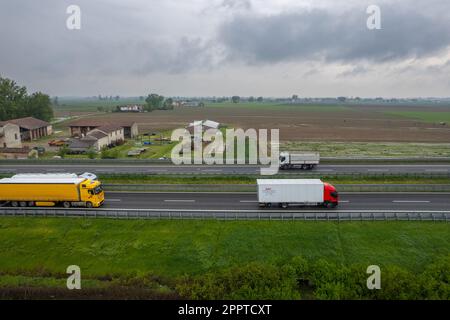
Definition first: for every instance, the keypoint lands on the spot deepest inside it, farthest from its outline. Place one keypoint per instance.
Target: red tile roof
(29, 123)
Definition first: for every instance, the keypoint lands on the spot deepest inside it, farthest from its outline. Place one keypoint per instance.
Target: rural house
(79, 128)
(131, 108)
(10, 135)
(98, 138)
(32, 128)
(204, 124)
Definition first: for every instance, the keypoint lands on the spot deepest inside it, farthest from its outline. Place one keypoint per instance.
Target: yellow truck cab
(91, 192)
(67, 190)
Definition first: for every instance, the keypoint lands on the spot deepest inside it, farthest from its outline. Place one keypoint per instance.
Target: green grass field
(435, 117)
(175, 248)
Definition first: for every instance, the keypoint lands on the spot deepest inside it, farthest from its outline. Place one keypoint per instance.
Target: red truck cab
(330, 195)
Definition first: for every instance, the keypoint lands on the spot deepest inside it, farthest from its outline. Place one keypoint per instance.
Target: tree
(91, 153)
(55, 101)
(235, 99)
(168, 104)
(251, 99)
(260, 99)
(38, 105)
(154, 102)
(16, 103)
(12, 98)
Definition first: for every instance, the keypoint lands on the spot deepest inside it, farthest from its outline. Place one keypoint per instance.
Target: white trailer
(285, 192)
(307, 160)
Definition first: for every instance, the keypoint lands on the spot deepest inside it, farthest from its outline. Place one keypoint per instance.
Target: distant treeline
(15, 102)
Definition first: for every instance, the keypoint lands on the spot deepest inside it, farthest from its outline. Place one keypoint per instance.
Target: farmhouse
(10, 135)
(98, 138)
(81, 127)
(131, 108)
(32, 128)
(204, 124)
(192, 104)
(16, 153)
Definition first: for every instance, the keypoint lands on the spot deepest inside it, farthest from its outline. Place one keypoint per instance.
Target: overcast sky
(228, 47)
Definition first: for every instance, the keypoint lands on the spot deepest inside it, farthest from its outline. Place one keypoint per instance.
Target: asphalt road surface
(225, 170)
(248, 201)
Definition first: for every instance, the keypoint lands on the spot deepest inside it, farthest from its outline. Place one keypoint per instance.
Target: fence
(252, 187)
(319, 215)
(328, 160)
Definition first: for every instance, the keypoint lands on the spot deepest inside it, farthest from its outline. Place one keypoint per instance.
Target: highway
(437, 169)
(248, 201)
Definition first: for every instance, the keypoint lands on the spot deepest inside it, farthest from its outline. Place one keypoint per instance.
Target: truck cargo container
(306, 192)
(306, 160)
(51, 190)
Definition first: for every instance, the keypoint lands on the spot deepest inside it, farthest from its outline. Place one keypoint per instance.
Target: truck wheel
(31, 204)
(88, 204)
(284, 205)
(14, 204)
(268, 205)
(67, 204)
(22, 203)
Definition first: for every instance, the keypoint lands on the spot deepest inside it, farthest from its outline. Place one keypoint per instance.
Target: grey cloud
(354, 71)
(407, 31)
(237, 4)
(114, 40)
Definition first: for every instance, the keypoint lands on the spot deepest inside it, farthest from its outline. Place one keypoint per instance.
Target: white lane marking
(325, 170)
(212, 170)
(157, 170)
(436, 170)
(179, 200)
(248, 201)
(344, 201)
(378, 170)
(113, 200)
(411, 201)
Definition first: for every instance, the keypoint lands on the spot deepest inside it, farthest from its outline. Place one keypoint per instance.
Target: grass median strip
(246, 179)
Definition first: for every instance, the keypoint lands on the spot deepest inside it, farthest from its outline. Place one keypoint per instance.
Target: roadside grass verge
(369, 149)
(246, 179)
(168, 256)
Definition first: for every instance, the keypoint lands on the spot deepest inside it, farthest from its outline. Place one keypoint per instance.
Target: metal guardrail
(319, 215)
(168, 161)
(252, 187)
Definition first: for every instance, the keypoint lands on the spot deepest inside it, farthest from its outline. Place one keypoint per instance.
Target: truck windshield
(98, 190)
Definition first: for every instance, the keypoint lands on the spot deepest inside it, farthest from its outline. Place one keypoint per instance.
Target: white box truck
(306, 160)
(286, 192)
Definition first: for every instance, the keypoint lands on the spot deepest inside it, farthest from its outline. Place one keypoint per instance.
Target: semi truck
(306, 160)
(48, 190)
(304, 192)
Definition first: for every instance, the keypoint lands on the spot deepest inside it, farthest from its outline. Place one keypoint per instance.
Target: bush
(91, 153)
(251, 282)
(63, 151)
(109, 153)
